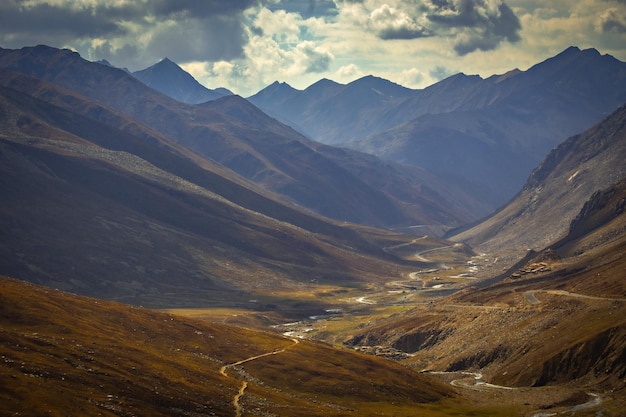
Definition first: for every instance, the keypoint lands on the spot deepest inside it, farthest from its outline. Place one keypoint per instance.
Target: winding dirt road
(244, 384)
(532, 299)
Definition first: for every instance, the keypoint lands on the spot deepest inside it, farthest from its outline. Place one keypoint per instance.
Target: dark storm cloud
(482, 25)
(197, 8)
(198, 29)
(473, 24)
(614, 21)
(212, 38)
(46, 19)
(403, 33)
(306, 8)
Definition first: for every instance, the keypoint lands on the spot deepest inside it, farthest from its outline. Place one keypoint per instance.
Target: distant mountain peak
(275, 90)
(497, 78)
(570, 50)
(169, 78)
(167, 64)
(573, 50)
(323, 82)
(368, 79)
(280, 84)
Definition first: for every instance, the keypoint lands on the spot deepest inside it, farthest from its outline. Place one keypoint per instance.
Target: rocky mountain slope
(556, 190)
(483, 134)
(170, 79)
(556, 321)
(237, 135)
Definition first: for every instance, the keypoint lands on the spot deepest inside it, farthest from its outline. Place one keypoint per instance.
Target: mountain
(98, 203)
(69, 355)
(556, 191)
(554, 321)
(556, 318)
(99, 211)
(259, 148)
(489, 134)
(324, 110)
(485, 135)
(170, 79)
(140, 198)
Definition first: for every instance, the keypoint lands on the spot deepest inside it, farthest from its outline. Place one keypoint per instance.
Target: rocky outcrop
(601, 356)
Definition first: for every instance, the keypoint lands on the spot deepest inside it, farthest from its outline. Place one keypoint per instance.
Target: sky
(245, 45)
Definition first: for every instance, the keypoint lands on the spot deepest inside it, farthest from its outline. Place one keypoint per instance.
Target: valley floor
(455, 336)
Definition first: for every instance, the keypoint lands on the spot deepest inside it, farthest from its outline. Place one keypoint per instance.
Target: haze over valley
(345, 249)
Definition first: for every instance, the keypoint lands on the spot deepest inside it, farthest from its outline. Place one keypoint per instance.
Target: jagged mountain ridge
(475, 131)
(264, 151)
(170, 79)
(324, 110)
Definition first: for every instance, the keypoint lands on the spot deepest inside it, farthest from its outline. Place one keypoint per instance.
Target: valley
(430, 323)
(165, 255)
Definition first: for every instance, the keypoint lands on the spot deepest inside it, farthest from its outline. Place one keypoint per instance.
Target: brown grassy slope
(66, 355)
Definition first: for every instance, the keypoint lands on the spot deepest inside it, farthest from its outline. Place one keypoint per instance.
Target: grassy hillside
(66, 355)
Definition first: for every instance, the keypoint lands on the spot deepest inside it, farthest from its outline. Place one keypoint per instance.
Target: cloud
(411, 77)
(392, 23)
(483, 24)
(280, 25)
(24, 18)
(312, 58)
(439, 73)
(470, 24)
(305, 8)
(348, 73)
(613, 20)
(135, 30)
(276, 50)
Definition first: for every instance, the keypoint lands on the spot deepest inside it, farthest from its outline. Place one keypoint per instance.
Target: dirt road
(244, 384)
(532, 299)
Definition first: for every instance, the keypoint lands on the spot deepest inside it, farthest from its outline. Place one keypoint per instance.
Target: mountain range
(238, 136)
(233, 221)
(484, 134)
(93, 209)
(557, 315)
